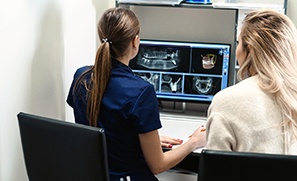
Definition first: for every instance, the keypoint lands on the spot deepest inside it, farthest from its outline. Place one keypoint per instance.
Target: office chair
(60, 151)
(243, 166)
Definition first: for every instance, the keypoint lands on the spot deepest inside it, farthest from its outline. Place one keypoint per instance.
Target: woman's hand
(200, 136)
(168, 142)
(158, 160)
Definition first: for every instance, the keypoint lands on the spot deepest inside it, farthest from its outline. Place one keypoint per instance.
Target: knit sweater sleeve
(220, 135)
(227, 114)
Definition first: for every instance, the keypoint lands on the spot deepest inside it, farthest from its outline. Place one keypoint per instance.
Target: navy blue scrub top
(129, 107)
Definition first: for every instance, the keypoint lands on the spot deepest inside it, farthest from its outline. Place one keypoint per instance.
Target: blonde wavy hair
(269, 38)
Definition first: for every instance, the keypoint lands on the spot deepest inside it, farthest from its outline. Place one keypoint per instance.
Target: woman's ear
(136, 41)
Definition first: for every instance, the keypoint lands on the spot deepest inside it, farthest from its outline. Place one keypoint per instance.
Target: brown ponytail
(99, 78)
(116, 28)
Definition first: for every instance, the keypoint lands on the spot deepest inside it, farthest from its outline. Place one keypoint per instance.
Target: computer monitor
(183, 71)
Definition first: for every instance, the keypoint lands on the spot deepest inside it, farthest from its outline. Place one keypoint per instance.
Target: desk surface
(180, 126)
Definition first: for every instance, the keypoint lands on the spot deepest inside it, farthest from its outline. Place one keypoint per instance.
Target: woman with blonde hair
(109, 95)
(259, 114)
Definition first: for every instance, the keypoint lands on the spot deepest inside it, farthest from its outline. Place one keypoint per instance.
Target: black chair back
(243, 166)
(57, 150)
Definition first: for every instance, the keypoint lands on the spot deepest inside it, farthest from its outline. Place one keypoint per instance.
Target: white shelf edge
(246, 6)
(151, 2)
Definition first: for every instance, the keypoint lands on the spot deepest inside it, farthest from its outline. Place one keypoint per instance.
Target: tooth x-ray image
(209, 61)
(160, 58)
(171, 83)
(202, 85)
(170, 58)
(183, 71)
(153, 78)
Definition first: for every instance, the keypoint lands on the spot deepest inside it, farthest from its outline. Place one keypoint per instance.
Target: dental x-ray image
(207, 61)
(171, 83)
(183, 71)
(159, 58)
(202, 85)
(162, 57)
(153, 78)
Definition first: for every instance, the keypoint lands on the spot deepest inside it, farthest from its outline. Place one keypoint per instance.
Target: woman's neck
(124, 60)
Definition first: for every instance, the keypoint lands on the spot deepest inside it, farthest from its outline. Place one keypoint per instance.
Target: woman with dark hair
(110, 96)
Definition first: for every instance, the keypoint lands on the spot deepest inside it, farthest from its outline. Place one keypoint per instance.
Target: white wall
(291, 10)
(79, 36)
(42, 42)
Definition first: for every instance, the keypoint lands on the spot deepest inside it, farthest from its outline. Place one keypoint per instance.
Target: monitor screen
(183, 71)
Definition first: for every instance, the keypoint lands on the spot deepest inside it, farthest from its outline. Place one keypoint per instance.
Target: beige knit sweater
(244, 118)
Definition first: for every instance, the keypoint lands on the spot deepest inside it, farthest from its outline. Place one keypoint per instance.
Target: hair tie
(106, 40)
